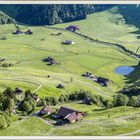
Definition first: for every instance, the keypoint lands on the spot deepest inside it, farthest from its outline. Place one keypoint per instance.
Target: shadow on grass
(133, 82)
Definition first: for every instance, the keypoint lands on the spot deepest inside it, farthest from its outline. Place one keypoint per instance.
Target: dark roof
(74, 26)
(48, 59)
(101, 79)
(67, 42)
(28, 31)
(59, 86)
(18, 90)
(64, 111)
(87, 100)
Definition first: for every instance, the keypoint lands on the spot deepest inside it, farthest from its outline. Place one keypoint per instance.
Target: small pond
(124, 70)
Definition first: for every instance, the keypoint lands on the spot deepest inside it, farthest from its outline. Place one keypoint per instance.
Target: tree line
(9, 102)
(49, 14)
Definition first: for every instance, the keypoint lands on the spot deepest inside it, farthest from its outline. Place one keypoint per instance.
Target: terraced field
(30, 72)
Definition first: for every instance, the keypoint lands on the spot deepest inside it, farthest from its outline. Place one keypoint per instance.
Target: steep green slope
(51, 13)
(130, 13)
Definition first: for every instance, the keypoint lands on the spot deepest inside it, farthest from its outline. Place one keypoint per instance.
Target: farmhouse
(50, 61)
(17, 32)
(60, 86)
(70, 114)
(72, 28)
(68, 42)
(18, 90)
(46, 110)
(29, 32)
(89, 75)
(102, 81)
(53, 62)
(87, 101)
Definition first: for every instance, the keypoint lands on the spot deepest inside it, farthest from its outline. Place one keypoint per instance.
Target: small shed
(46, 110)
(17, 32)
(36, 98)
(53, 62)
(48, 59)
(18, 90)
(68, 42)
(60, 86)
(29, 32)
(87, 101)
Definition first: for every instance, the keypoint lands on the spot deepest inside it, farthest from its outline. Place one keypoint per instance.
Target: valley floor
(26, 53)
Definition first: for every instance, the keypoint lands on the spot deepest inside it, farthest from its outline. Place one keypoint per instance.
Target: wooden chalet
(73, 28)
(70, 115)
(102, 81)
(46, 110)
(29, 32)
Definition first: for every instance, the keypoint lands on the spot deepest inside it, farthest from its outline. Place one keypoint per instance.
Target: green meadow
(30, 72)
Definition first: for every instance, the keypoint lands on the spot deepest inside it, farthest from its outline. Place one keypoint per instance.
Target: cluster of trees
(4, 19)
(124, 100)
(28, 104)
(75, 96)
(119, 99)
(130, 14)
(50, 14)
(7, 103)
(48, 101)
(132, 90)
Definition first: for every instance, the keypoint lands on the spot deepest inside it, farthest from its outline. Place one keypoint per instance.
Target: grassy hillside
(26, 52)
(28, 63)
(109, 26)
(122, 120)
